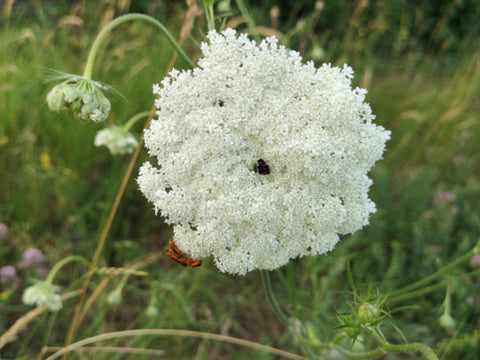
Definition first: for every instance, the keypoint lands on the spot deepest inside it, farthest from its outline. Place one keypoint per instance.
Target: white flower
(261, 158)
(116, 139)
(43, 293)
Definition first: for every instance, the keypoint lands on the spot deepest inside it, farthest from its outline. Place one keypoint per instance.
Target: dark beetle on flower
(261, 167)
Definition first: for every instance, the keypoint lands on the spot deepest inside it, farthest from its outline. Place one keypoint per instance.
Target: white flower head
(261, 158)
(43, 293)
(117, 139)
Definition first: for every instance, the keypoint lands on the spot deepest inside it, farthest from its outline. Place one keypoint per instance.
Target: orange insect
(175, 254)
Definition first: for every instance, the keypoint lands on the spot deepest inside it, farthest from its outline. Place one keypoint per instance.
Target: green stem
(438, 273)
(248, 18)
(424, 349)
(63, 262)
(135, 118)
(448, 300)
(359, 355)
(211, 17)
(271, 297)
(177, 333)
(121, 19)
(426, 290)
(416, 293)
(404, 348)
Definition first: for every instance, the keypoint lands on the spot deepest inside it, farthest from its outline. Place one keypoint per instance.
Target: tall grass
(57, 188)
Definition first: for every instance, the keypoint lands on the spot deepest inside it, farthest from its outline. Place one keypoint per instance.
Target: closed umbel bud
(83, 97)
(367, 313)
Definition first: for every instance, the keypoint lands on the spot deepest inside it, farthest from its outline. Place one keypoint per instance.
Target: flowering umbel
(261, 158)
(43, 293)
(117, 139)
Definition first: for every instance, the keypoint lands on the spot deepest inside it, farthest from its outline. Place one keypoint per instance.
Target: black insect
(72, 82)
(261, 167)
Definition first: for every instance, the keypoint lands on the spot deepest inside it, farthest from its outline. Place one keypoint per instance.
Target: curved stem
(404, 348)
(267, 285)
(176, 332)
(424, 349)
(63, 262)
(359, 355)
(135, 118)
(427, 289)
(416, 293)
(121, 19)
(446, 268)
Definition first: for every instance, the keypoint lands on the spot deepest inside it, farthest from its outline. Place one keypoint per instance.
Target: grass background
(421, 65)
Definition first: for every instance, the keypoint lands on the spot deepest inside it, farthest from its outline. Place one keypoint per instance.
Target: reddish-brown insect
(175, 254)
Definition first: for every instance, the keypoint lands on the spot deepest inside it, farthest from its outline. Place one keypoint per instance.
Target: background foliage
(421, 66)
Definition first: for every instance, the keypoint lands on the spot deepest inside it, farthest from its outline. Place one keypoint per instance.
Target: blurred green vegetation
(422, 69)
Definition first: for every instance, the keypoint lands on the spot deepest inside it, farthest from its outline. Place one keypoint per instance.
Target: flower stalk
(267, 285)
(62, 263)
(44, 292)
(135, 118)
(404, 348)
(120, 20)
(384, 347)
(412, 289)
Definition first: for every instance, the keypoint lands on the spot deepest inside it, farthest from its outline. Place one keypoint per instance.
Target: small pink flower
(3, 231)
(7, 273)
(475, 261)
(457, 160)
(443, 197)
(31, 256)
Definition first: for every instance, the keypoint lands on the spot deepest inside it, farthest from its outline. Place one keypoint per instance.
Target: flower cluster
(7, 274)
(43, 293)
(31, 256)
(261, 158)
(83, 97)
(117, 139)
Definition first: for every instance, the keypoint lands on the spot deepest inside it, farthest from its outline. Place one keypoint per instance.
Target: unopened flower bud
(317, 53)
(115, 297)
(224, 6)
(446, 321)
(83, 97)
(319, 5)
(152, 311)
(367, 313)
